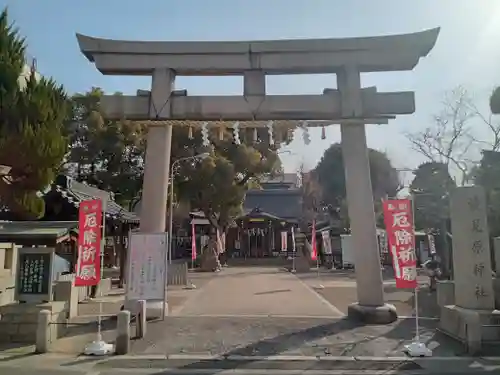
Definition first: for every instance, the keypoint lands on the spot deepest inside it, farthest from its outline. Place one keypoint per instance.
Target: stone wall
(8, 263)
(18, 322)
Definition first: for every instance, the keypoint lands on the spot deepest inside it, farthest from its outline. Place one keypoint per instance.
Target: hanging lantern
(270, 132)
(204, 134)
(190, 132)
(236, 133)
(323, 133)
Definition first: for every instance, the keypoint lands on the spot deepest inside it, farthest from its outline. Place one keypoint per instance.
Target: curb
(289, 358)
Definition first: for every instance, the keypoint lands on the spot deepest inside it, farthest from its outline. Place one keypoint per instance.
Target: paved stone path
(267, 336)
(339, 288)
(251, 291)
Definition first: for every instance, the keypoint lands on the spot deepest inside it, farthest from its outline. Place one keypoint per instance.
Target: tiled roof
(75, 192)
(38, 229)
(285, 178)
(282, 203)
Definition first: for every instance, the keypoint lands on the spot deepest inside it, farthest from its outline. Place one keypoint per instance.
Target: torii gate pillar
(157, 162)
(371, 307)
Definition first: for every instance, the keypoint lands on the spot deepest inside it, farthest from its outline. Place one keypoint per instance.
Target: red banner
(314, 248)
(193, 242)
(88, 268)
(398, 220)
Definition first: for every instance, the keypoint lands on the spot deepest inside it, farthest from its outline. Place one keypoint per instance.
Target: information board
(147, 266)
(34, 274)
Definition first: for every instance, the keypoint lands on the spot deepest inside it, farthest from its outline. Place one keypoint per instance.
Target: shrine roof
(284, 204)
(47, 230)
(76, 192)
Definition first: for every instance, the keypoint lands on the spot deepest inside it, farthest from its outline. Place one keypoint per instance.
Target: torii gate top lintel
(303, 56)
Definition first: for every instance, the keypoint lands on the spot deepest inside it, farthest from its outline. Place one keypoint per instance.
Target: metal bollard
(141, 319)
(43, 338)
(123, 333)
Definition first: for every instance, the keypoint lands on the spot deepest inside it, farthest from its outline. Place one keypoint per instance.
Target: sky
(467, 51)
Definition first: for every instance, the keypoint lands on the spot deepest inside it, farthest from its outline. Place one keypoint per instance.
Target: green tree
(32, 113)
(331, 177)
(431, 189)
(495, 101)
(107, 154)
(487, 174)
(217, 184)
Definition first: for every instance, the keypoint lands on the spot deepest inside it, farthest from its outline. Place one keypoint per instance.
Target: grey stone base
(153, 308)
(472, 327)
(384, 314)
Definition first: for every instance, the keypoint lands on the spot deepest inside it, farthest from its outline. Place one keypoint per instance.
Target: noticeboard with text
(34, 274)
(147, 255)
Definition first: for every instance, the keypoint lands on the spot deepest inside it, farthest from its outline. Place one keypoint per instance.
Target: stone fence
(177, 273)
(18, 321)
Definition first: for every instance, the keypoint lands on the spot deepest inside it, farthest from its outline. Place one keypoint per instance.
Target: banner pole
(99, 347)
(320, 286)
(103, 240)
(165, 277)
(416, 348)
(293, 249)
(417, 333)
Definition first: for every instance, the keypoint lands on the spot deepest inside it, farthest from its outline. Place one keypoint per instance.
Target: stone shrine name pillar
(471, 249)
(371, 307)
(157, 161)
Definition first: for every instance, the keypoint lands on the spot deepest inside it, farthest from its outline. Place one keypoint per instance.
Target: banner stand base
(417, 349)
(190, 286)
(98, 348)
(383, 314)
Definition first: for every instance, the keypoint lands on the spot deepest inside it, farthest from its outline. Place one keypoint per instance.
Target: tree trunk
(123, 256)
(445, 253)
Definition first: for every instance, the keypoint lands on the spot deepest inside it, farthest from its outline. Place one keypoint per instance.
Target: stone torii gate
(349, 105)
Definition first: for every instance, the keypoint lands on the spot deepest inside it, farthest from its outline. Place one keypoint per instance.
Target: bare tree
(451, 139)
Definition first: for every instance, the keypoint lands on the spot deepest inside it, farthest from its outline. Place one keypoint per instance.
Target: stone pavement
(256, 291)
(339, 289)
(52, 364)
(263, 321)
(268, 336)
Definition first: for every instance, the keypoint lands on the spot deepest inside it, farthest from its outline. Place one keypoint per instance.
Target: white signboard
(147, 254)
(327, 242)
(347, 252)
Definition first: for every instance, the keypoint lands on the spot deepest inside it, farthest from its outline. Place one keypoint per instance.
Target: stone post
(496, 253)
(157, 161)
(43, 338)
(371, 307)
(141, 319)
(471, 249)
(123, 333)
